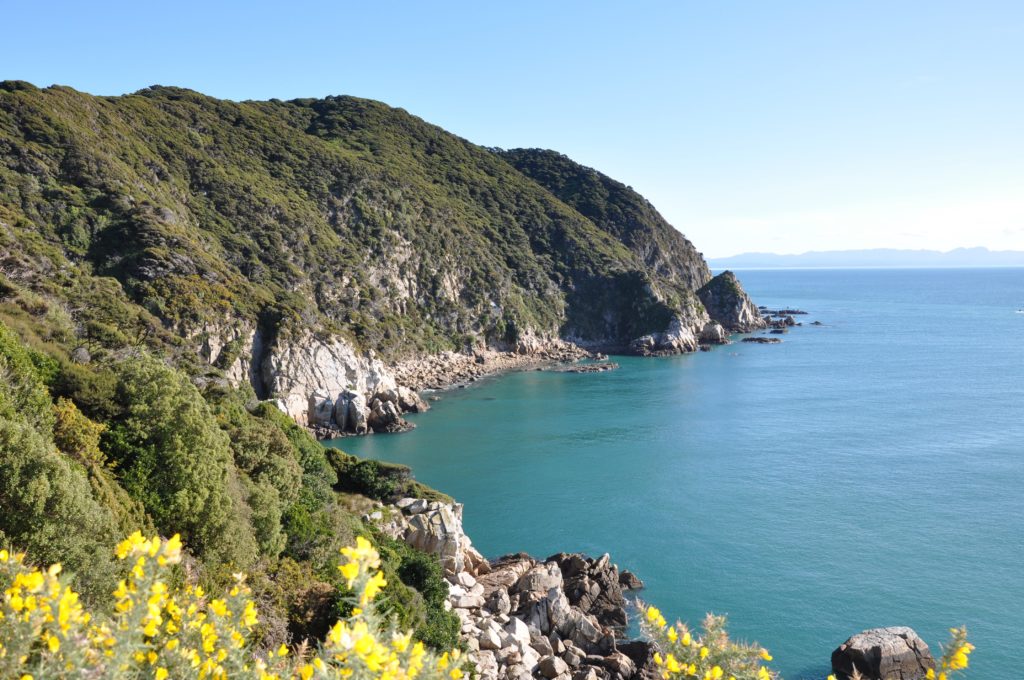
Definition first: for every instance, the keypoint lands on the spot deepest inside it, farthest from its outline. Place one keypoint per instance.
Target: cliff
(308, 247)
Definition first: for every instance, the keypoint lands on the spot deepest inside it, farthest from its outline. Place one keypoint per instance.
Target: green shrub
(173, 457)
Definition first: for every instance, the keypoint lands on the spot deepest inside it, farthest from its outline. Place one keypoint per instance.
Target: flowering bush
(159, 632)
(711, 655)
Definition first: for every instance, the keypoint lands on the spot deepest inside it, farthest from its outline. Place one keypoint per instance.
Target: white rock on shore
(523, 618)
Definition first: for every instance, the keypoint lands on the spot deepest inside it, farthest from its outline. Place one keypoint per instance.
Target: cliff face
(728, 304)
(281, 242)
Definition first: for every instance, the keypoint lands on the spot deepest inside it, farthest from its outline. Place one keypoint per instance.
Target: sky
(752, 126)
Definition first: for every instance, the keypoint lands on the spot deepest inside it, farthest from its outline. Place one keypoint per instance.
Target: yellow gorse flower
(159, 631)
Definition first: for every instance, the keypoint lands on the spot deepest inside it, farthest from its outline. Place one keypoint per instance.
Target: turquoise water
(868, 472)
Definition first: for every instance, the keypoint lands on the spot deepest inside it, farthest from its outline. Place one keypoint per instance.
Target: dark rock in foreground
(895, 653)
(761, 340)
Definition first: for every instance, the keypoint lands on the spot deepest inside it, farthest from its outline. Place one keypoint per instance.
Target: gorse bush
(709, 653)
(158, 630)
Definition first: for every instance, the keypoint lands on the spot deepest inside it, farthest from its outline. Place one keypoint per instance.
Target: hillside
(306, 247)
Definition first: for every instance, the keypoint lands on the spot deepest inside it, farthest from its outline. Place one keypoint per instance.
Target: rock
(551, 667)
(572, 656)
(321, 409)
(486, 665)
(895, 653)
(498, 602)
(80, 355)
(585, 674)
(306, 365)
(541, 644)
(617, 662)
(589, 368)
(593, 586)
(467, 601)
(439, 532)
(540, 579)
(518, 631)
(727, 303)
(466, 580)
(411, 402)
(761, 340)
(489, 639)
(629, 580)
(714, 334)
(385, 417)
(641, 653)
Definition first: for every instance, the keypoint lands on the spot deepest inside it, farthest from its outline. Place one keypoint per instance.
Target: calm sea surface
(864, 473)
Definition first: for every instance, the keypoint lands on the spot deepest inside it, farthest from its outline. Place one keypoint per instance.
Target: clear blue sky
(781, 126)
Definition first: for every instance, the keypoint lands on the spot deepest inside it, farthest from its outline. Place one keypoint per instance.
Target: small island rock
(894, 653)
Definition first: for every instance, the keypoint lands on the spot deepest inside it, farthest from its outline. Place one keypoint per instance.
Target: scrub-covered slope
(304, 246)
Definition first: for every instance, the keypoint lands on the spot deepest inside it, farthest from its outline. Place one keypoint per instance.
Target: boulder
(894, 653)
(410, 401)
(619, 663)
(714, 334)
(385, 417)
(498, 602)
(540, 579)
(630, 581)
(439, 532)
(489, 639)
(551, 667)
(518, 631)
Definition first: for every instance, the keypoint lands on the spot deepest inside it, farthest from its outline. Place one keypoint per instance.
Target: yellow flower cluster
(955, 657)
(708, 656)
(161, 632)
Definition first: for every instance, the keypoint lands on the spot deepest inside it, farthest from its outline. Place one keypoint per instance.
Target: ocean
(866, 472)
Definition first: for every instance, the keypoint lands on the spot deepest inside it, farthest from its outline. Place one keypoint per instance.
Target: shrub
(160, 631)
(174, 458)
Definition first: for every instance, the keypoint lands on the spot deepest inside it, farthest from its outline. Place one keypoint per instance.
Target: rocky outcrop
(523, 618)
(679, 338)
(328, 385)
(895, 653)
(728, 304)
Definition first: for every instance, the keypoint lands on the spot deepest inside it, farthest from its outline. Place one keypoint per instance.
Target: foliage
(417, 592)
(174, 458)
(77, 436)
(159, 630)
(379, 480)
(143, 219)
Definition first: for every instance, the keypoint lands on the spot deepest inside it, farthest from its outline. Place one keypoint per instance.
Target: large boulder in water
(895, 653)
(728, 304)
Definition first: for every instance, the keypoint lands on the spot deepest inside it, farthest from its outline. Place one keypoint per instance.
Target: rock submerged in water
(761, 340)
(894, 653)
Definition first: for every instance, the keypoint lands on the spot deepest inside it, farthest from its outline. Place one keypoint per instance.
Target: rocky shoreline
(561, 618)
(566, 617)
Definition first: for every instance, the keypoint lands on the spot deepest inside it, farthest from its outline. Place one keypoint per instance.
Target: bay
(863, 473)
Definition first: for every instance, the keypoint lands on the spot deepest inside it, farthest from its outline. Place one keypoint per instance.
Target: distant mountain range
(875, 257)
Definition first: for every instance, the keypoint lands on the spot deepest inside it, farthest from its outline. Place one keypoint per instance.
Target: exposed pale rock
(894, 653)
(551, 667)
(727, 303)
